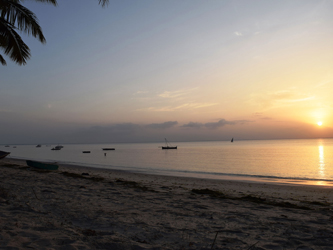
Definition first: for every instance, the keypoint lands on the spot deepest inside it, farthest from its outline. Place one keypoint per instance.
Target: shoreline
(220, 177)
(113, 209)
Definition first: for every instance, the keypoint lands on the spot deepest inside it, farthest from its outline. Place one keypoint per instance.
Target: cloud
(170, 94)
(214, 125)
(193, 125)
(163, 125)
(238, 33)
(259, 115)
(121, 128)
(177, 93)
(323, 83)
(280, 98)
(185, 106)
(140, 92)
(220, 123)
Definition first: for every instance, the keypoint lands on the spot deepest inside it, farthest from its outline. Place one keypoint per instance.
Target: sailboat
(168, 145)
(232, 139)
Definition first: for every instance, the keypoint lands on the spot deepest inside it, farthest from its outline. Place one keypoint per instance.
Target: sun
(320, 123)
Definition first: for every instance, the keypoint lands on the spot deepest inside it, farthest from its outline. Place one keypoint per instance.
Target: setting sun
(319, 123)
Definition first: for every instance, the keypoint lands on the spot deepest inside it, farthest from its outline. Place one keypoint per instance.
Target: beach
(79, 207)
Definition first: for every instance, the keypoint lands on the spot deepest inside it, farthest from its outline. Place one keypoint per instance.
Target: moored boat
(168, 145)
(86, 152)
(108, 148)
(3, 154)
(42, 165)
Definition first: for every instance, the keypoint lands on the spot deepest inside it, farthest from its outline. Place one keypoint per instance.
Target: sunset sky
(140, 71)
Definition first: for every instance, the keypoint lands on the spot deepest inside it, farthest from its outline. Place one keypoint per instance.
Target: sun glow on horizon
(319, 123)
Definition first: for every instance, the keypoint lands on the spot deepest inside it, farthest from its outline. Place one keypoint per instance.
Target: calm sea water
(285, 161)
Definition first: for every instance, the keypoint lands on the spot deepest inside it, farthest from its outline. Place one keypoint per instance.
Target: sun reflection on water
(321, 169)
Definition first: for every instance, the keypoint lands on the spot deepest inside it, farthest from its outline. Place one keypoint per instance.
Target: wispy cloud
(237, 33)
(280, 98)
(323, 83)
(176, 93)
(260, 115)
(214, 125)
(140, 92)
(185, 106)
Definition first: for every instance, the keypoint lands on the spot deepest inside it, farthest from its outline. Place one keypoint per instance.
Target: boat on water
(57, 148)
(3, 154)
(42, 165)
(38, 146)
(108, 149)
(86, 152)
(168, 145)
(232, 139)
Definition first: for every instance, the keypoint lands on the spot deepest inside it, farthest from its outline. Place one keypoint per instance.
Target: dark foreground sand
(106, 209)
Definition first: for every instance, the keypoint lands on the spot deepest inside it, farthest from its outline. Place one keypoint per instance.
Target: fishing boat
(86, 152)
(57, 148)
(42, 165)
(38, 146)
(108, 148)
(3, 154)
(232, 139)
(168, 145)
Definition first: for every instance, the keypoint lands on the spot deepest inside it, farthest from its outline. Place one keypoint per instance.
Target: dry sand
(105, 209)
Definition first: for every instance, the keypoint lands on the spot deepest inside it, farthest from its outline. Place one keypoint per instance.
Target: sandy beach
(87, 208)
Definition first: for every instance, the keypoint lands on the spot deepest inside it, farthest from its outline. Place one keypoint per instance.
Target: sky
(189, 70)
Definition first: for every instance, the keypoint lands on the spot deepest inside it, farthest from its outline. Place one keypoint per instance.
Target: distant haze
(140, 71)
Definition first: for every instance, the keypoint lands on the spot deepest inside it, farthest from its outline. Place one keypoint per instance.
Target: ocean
(301, 161)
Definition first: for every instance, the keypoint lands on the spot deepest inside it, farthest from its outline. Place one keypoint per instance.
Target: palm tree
(15, 17)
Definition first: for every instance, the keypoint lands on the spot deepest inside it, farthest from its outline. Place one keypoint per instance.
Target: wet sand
(86, 208)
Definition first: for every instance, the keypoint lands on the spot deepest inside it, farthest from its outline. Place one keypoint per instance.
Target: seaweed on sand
(4, 193)
(259, 200)
(212, 193)
(135, 185)
(9, 165)
(75, 175)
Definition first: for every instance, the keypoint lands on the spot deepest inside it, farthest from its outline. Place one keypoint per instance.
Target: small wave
(287, 178)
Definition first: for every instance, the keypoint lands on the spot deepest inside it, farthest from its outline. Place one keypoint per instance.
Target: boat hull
(42, 165)
(105, 149)
(169, 147)
(3, 154)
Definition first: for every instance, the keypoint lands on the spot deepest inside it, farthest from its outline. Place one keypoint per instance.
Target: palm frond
(54, 2)
(12, 43)
(24, 19)
(103, 2)
(2, 61)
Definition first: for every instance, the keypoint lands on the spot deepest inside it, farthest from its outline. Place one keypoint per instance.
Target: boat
(86, 152)
(38, 146)
(42, 165)
(108, 148)
(168, 145)
(57, 148)
(232, 139)
(3, 154)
